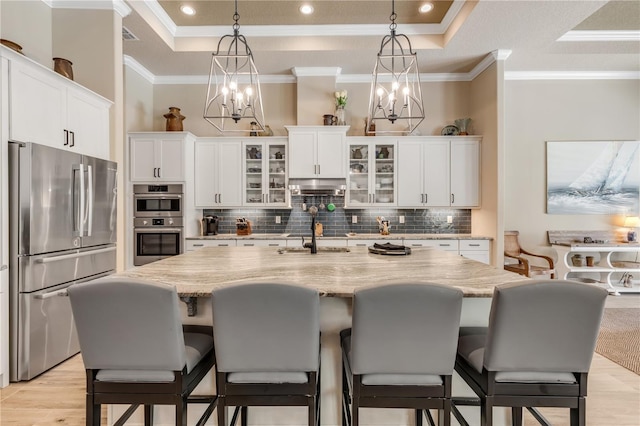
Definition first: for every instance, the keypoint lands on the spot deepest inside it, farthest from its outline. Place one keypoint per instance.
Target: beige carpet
(619, 338)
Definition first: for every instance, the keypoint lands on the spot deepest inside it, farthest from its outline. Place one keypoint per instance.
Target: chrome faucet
(313, 211)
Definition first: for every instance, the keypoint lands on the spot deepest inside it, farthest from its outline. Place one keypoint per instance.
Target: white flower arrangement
(341, 98)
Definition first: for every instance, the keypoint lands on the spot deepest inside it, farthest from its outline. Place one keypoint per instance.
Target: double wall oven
(157, 222)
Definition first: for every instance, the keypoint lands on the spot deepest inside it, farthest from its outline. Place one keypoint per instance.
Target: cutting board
(318, 229)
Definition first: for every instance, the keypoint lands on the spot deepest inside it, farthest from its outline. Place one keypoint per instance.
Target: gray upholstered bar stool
(135, 350)
(536, 351)
(401, 349)
(267, 347)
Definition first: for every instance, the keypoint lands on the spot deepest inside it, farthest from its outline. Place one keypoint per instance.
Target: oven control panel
(140, 222)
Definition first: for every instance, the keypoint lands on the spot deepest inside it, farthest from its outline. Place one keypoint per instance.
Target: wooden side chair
(512, 250)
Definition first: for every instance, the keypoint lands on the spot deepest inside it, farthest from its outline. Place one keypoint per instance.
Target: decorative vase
(340, 121)
(63, 67)
(463, 125)
(174, 119)
(11, 45)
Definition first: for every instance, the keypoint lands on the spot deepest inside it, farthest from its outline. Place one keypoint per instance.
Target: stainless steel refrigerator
(62, 231)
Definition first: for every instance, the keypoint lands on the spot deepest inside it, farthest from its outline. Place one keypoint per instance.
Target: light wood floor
(57, 397)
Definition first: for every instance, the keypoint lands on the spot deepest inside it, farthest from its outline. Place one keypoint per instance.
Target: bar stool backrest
(549, 325)
(128, 325)
(405, 329)
(264, 327)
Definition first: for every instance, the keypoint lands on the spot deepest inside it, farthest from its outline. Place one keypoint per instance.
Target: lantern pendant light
(233, 91)
(396, 95)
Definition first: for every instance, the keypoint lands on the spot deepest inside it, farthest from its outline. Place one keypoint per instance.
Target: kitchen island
(335, 273)
(332, 272)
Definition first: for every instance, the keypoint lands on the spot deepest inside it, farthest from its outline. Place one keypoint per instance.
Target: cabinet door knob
(158, 171)
(73, 138)
(453, 198)
(66, 137)
(154, 172)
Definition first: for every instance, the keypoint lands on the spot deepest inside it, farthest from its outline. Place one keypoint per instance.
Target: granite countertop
(331, 272)
(351, 237)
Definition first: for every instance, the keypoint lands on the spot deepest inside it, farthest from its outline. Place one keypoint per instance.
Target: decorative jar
(174, 120)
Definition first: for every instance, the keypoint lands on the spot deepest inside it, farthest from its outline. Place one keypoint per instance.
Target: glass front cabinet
(265, 172)
(372, 172)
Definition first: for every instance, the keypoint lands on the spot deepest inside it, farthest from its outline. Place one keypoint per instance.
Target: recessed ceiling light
(306, 9)
(187, 10)
(426, 8)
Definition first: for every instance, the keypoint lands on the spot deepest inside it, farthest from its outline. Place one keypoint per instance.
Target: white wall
(278, 103)
(28, 23)
(485, 113)
(540, 111)
(443, 101)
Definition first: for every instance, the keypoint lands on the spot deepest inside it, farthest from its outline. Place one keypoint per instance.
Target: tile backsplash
(339, 222)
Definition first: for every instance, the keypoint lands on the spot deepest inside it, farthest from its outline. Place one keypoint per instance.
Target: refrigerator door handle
(75, 255)
(90, 200)
(78, 225)
(57, 293)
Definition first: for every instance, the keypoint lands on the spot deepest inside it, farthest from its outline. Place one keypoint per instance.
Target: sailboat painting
(593, 177)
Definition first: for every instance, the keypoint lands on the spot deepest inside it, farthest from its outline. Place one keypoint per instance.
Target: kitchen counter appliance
(157, 223)
(210, 225)
(62, 216)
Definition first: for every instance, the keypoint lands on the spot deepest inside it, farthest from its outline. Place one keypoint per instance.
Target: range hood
(318, 186)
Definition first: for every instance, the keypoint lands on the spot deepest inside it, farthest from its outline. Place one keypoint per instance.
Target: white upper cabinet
(218, 173)
(465, 173)
(317, 151)
(372, 171)
(265, 172)
(437, 172)
(423, 173)
(157, 156)
(49, 109)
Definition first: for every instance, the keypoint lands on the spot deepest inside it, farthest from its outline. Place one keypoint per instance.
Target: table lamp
(632, 222)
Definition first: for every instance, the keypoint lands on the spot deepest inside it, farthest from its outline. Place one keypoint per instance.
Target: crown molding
(572, 75)
(351, 30)
(366, 78)
(630, 35)
(118, 6)
(316, 71)
(139, 68)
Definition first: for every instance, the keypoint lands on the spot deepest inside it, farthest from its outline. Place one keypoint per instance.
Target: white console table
(606, 265)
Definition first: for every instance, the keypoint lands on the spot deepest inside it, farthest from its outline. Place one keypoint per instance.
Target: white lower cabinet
(261, 243)
(368, 243)
(192, 245)
(475, 250)
(446, 245)
(471, 249)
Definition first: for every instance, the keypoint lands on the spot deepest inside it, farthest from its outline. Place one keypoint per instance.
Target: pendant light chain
(396, 95)
(233, 92)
